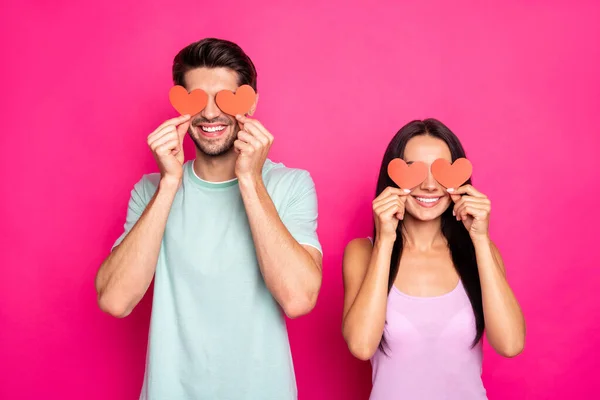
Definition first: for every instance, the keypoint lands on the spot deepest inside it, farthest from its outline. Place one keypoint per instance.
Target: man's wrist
(169, 184)
(249, 182)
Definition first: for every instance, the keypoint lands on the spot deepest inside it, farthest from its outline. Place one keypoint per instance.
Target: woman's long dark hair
(457, 236)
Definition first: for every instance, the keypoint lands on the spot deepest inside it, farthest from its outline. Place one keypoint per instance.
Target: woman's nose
(429, 183)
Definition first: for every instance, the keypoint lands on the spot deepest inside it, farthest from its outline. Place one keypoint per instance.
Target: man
(230, 239)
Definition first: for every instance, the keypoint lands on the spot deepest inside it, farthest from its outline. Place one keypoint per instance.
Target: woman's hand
(473, 208)
(388, 210)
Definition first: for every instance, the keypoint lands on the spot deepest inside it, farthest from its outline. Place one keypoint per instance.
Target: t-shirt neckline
(211, 185)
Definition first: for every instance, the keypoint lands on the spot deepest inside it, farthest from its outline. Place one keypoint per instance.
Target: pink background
(83, 85)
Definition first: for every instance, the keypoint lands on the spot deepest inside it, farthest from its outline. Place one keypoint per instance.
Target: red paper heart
(407, 176)
(239, 102)
(187, 103)
(451, 175)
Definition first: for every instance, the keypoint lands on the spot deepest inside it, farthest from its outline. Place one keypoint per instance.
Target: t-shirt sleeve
(300, 216)
(137, 205)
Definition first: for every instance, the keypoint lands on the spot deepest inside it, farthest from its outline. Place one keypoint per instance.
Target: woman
(420, 292)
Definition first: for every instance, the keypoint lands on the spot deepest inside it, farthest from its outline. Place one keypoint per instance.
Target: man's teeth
(213, 128)
(424, 200)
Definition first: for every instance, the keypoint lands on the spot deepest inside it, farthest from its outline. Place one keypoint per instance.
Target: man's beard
(219, 149)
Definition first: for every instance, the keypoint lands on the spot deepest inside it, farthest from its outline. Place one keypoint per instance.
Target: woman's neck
(422, 235)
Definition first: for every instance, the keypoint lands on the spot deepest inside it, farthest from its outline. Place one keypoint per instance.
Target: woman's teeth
(428, 200)
(213, 128)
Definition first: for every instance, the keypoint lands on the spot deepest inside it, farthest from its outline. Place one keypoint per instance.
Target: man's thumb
(182, 129)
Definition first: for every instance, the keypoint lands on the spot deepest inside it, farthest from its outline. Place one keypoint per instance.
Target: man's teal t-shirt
(216, 332)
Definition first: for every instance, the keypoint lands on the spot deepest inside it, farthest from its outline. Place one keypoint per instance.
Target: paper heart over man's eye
(187, 103)
(407, 176)
(451, 175)
(239, 102)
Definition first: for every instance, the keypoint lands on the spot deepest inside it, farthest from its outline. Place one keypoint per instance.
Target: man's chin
(213, 149)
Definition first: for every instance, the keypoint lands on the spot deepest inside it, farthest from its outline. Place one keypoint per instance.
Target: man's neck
(215, 169)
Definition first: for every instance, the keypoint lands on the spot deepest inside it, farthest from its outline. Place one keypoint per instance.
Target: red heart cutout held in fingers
(451, 175)
(187, 103)
(239, 102)
(407, 176)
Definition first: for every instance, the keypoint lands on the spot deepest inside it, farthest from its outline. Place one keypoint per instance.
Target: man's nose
(211, 111)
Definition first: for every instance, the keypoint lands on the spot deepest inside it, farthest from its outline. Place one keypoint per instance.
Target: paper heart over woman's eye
(187, 103)
(454, 175)
(239, 102)
(407, 176)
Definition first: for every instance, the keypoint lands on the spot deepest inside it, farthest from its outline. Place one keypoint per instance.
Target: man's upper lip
(211, 125)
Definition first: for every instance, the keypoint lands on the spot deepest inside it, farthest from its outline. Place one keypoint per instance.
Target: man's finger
(243, 146)
(244, 136)
(242, 118)
(163, 139)
(166, 148)
(161, 132)
(260, 127)
(174, 121)
(182, 129)
(252, 129)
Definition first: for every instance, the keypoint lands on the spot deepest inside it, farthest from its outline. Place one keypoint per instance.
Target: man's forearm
(290, 272)
(127, 272)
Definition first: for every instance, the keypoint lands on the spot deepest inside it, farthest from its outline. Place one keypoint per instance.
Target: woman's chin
(426, 215)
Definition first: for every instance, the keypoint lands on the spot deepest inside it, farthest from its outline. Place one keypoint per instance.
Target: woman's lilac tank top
(429, 354)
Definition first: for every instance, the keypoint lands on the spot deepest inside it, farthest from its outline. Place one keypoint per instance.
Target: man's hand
(253, 145)
(166, 143)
